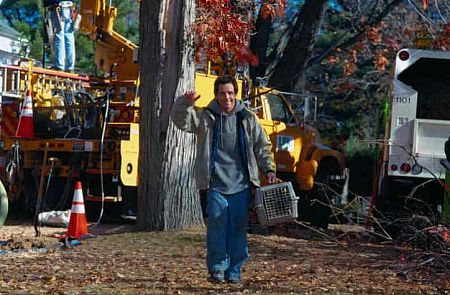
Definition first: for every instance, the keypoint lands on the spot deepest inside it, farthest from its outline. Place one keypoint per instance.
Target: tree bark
(293, 57)
(258, 44)
(168, 197)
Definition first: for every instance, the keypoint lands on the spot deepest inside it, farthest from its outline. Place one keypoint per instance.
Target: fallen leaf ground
(288, 260)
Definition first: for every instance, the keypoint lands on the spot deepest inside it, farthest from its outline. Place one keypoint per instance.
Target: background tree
(350, 64)
(127, 21)
(223, 27)
(341, 51)
(17, 12)
(260, 40)
(291, 58)
(24, 16)
(168, 198)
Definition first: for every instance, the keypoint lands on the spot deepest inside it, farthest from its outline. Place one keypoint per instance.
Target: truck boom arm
(114, 54)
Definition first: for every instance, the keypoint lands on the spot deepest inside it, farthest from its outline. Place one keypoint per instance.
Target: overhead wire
(427, 19)
(439, 11)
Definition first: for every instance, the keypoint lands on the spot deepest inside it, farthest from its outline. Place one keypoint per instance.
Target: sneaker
(130, 215)
(233, 281)
(216, 277)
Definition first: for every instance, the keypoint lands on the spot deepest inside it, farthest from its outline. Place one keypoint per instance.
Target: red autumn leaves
(224, 26)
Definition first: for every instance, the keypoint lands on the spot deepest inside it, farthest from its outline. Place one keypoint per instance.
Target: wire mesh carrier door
(276, 203)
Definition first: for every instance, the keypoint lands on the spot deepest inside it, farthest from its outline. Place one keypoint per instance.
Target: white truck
(417, 126)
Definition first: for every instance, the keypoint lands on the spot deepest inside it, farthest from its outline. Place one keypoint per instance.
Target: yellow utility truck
(75, 132)
(84, 127)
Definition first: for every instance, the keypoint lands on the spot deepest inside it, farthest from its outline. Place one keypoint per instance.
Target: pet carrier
(276, 203)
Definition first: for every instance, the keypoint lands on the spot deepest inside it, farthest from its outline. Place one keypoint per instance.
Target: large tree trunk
(293, 57)
(168, 198)
(258, 44)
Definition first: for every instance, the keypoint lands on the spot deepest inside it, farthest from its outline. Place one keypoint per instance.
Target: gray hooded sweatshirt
(229, 175)
(257, 147)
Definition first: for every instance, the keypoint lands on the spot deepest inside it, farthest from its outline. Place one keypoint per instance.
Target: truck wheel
(25, 207)
(320, 207)
(321, 194)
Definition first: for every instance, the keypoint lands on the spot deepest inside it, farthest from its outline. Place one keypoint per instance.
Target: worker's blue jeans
(64, 42)
(227, 248)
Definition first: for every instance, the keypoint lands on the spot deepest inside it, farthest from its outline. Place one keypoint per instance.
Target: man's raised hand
(191, 96)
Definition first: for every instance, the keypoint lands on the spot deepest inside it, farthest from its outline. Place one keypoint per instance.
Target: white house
(10, 44)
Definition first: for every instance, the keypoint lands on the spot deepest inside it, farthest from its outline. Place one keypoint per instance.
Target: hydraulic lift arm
(114, 54)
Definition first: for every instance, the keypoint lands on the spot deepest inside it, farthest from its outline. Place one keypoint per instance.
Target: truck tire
(25, 206)
(320, 209)
(3, 204)
(321, 196)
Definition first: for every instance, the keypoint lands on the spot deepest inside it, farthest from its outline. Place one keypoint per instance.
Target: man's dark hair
(225, 80)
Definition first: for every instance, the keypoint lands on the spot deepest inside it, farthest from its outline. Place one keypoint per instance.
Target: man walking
(232, 148)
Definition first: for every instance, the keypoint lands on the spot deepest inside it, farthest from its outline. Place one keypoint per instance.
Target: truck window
(430, 77)
(280, 111)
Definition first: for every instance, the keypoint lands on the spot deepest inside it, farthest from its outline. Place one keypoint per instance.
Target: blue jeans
(64, 41)
(226, 236)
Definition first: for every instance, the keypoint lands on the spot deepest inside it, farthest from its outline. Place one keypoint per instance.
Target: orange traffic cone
(77, 223)
(25, 127)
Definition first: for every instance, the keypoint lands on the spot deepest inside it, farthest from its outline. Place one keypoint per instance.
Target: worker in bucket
(63, 22)
(232, 147)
